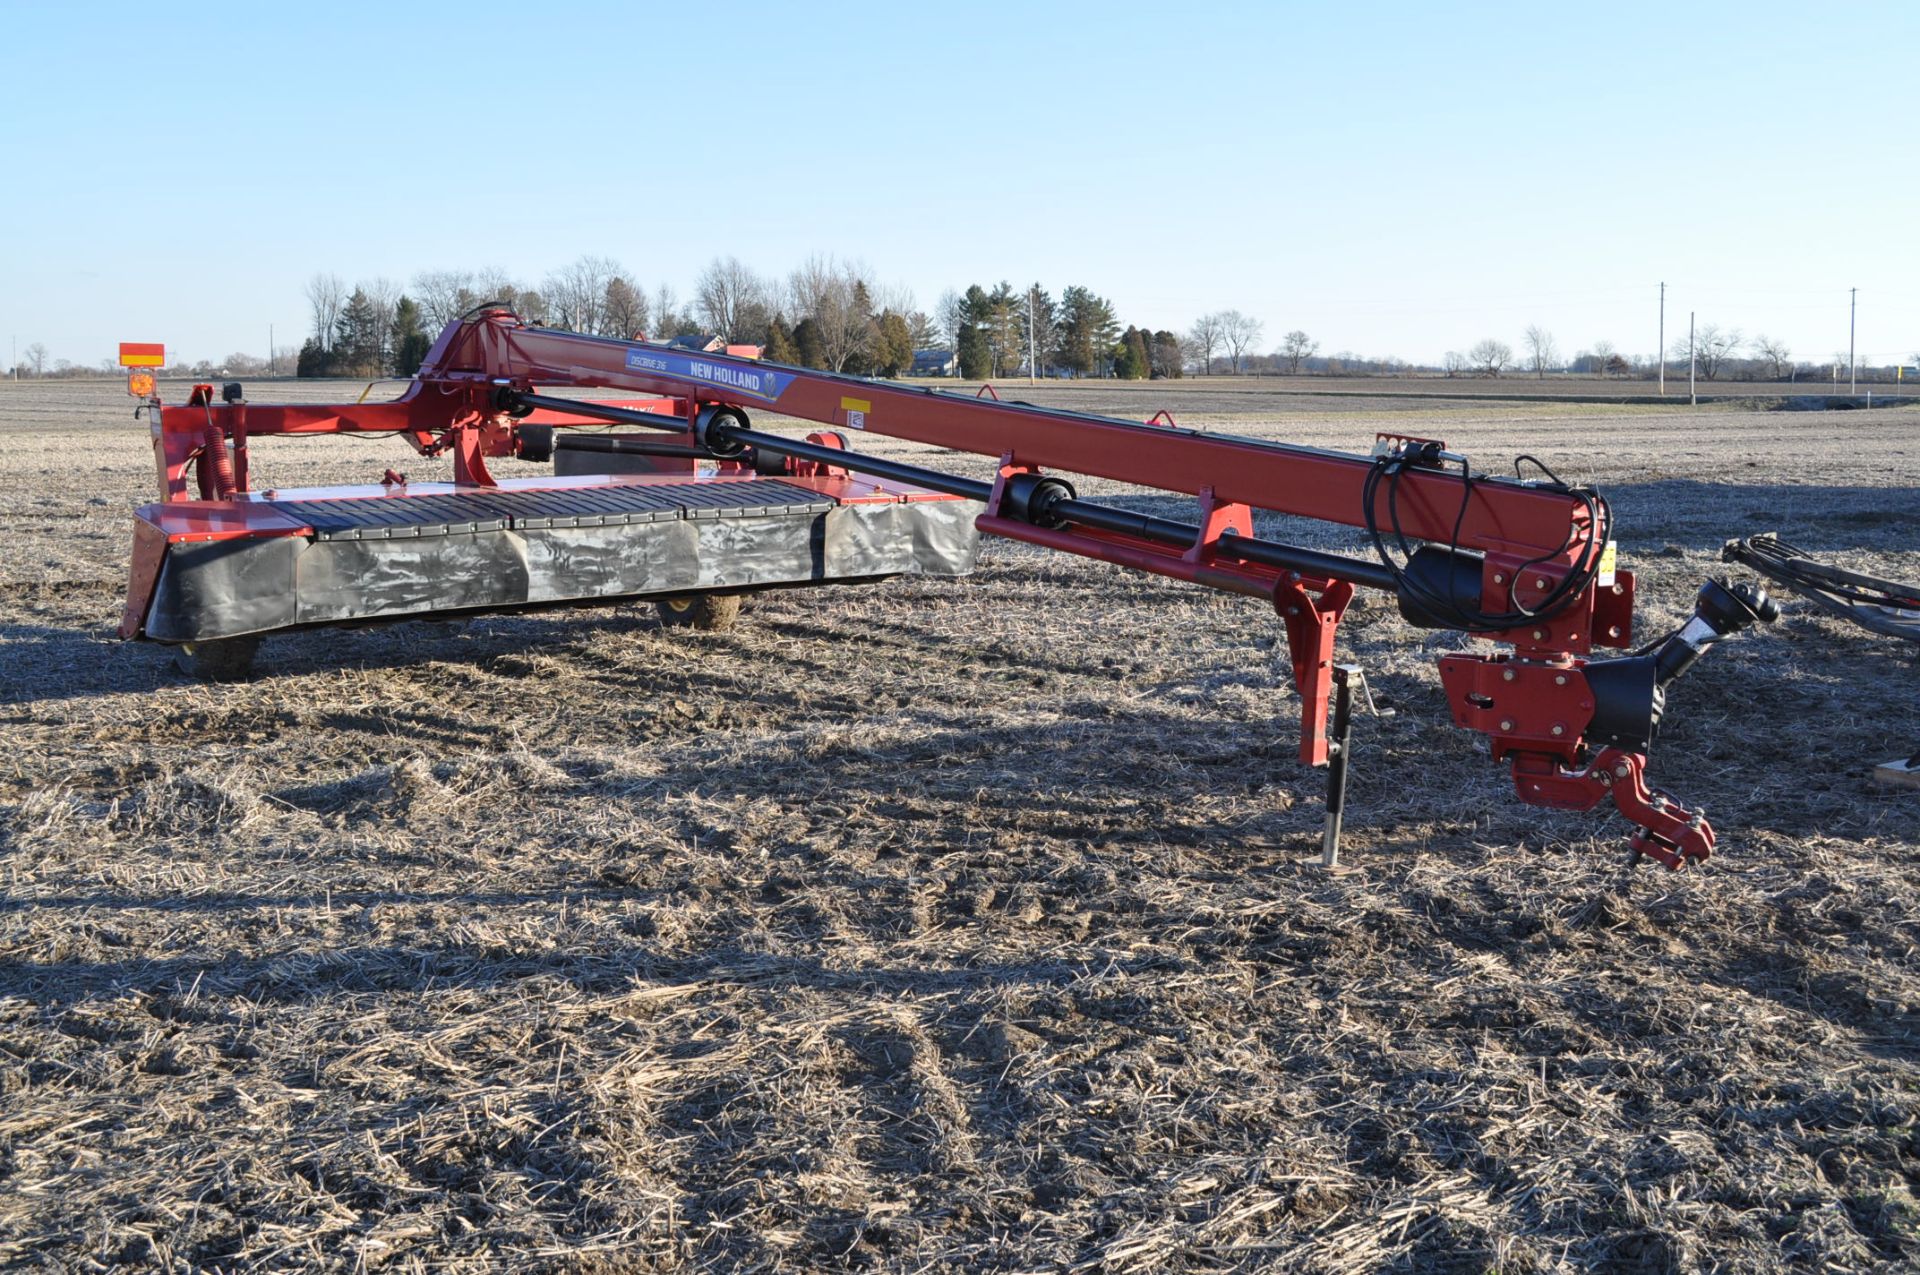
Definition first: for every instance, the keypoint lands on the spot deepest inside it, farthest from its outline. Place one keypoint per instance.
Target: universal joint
(1630, 695)
(1031, 498)
(711, 430)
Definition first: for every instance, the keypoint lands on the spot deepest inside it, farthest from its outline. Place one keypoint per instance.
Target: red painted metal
(1668, 833)
(1311, 624)
(1534, 705)
(143, 575)
(1216, 520)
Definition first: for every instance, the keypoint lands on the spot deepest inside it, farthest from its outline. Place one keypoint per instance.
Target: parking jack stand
(1339, 750)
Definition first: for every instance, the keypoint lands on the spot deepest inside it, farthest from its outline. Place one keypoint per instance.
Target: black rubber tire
(711, 612)
(221, 660)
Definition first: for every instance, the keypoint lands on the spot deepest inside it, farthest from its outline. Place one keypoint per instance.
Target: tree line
(827, 313)
(836, 315)
(1710, 350)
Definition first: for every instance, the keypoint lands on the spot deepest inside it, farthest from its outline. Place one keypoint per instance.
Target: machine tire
(221, 660)
(711, 612)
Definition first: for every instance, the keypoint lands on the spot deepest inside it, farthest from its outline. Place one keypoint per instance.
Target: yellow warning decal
(1609, 559)
(856, 410)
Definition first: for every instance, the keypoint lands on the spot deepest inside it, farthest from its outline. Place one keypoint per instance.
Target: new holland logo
(758, 383)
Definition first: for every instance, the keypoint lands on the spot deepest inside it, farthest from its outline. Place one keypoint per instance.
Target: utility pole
(1692, 397)
(1662, 356)
(1032, 367)
(273, 369)
(1853, 366)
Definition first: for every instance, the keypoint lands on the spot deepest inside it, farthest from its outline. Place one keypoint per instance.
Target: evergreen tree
(1036, 315)
(780, 343)
(410, 344)
(1005, 328)
(806, 340)
(892, 345)
(1130, 356)
(975, 359)
(976, 305)
(1085, 331)
(1169, 360)
(313, 359)
(356, 340)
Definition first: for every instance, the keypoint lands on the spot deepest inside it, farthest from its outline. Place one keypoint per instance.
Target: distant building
(701, 343)
(935, 363)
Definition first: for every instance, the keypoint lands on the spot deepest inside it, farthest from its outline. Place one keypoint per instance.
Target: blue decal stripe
(760, 383)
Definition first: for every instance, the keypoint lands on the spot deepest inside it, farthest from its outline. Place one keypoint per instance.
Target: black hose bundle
(1883, 606)
(1447, 609)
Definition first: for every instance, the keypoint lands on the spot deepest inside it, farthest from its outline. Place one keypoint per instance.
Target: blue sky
(1394, 178)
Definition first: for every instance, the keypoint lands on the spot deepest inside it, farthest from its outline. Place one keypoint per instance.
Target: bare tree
(1206, 335)
(1603, 356)
(443, 295)
(949, 316)
(491, 283)
(1239, 331)
(1296, 347)
(623, 310)
(1714, 345)
(1775, 352)
(1490, 357)
(326, 294)
(838, 297)
(529, 305)
(1542, 353)
(727, 297)
(897, 297)
(382, 296)
(37, 358)
(576, 294)
(1455, 363)
(667, 318)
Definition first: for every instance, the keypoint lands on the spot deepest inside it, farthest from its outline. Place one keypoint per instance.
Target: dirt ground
(950, 925)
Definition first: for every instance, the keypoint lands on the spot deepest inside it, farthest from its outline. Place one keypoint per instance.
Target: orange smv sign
(142, 354)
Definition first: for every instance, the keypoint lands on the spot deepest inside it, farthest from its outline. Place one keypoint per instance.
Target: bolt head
(1506, 724)
(1623, 770)
(1559, 679)
(1499, 578)
(1539, 635)
(1539, 582)
(1559, 729)
(1506, 675)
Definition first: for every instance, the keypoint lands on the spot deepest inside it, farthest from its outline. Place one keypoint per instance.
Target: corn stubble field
(949, 925)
